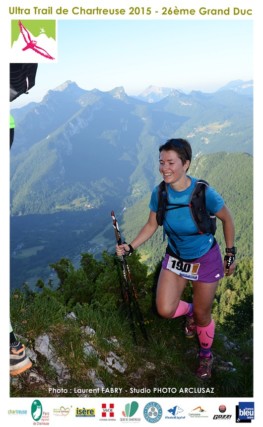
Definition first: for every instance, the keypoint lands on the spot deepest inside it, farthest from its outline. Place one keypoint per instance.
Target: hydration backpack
(22, 78)
(205, 221)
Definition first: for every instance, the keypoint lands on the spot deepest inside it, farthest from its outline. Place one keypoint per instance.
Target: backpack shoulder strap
(205, 221)
(162, 202)
(200, 185)
(197, 201)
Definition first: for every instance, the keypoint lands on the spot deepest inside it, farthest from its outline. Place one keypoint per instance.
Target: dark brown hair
(180, 146)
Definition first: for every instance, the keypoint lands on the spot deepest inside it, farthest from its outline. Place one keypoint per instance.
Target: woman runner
(190, 255)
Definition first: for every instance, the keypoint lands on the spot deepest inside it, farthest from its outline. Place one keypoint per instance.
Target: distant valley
(78, 149)
(78, 154)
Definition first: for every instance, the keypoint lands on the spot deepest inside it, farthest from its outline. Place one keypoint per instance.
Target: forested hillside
(103, 146)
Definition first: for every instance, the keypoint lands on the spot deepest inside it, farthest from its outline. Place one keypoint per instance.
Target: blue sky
(187, 55)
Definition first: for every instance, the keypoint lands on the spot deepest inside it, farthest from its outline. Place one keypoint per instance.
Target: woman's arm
(145, 233)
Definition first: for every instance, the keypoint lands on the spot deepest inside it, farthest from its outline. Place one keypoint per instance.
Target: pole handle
(116, 228)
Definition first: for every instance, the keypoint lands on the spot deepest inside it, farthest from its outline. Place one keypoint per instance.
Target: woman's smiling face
(171, 166)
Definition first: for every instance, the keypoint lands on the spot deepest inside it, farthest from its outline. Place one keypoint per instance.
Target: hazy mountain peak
(118, 92)
(155, 93)
(66, 85)
(176, 92)
(154, 89)
(67, 89)
(239, 86)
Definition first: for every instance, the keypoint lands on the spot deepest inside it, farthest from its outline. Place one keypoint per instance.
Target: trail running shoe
(19, 362)
(190, 327)
(205, 367)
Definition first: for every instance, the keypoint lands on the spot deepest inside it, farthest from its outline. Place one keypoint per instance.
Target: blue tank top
(183, 237)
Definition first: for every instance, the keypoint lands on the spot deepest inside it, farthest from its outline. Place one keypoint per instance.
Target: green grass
(166, 360)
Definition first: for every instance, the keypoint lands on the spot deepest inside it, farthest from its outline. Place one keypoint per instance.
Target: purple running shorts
(208, 268)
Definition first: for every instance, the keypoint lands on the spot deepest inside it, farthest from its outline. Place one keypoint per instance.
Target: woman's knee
(169, 291)
(202, 317)
(165, 310)
(166, 313)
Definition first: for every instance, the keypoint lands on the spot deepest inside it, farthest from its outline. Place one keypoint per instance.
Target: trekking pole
(129, 293)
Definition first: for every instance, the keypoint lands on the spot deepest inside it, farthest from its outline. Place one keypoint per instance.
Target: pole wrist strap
(130, 251)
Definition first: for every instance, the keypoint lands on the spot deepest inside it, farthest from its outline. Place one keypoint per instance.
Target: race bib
(188, 270)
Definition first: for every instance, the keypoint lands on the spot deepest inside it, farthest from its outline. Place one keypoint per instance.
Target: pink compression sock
(183, 309)
(206, 336)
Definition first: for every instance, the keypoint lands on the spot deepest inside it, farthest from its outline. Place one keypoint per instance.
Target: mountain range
(79, 154)
(77, 149)
(155, 93)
